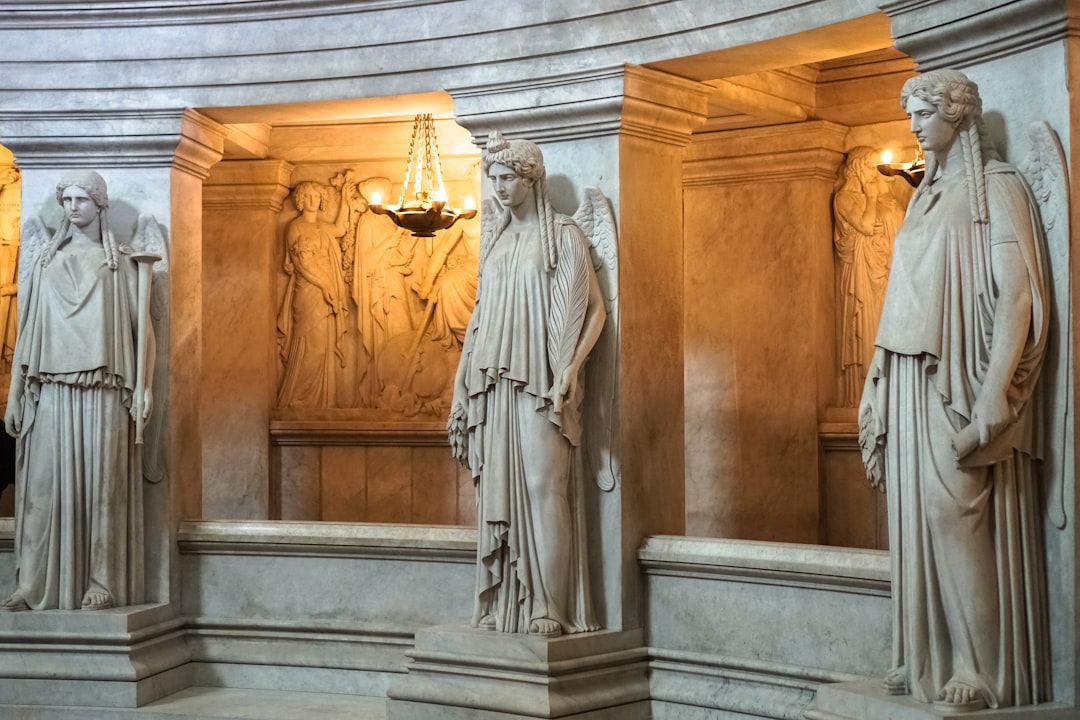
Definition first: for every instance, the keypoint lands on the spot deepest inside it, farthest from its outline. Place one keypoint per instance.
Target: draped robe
(79, 499)
(968, 569)
(525, 326)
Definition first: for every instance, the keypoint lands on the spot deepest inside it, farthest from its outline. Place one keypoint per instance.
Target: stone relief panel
(867, 211)
(371, 318)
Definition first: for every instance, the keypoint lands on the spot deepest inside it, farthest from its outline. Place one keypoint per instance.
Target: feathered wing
(1045, 171)
(33, 239)
(150, 237)
(599, 414)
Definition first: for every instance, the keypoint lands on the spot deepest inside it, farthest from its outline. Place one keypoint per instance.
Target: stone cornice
(606, 102)
(944, 33)
(248, 184)
(98, 139)
(144, 13)
(201, 145)
(777, 153)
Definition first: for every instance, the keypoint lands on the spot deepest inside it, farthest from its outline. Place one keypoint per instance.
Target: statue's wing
(33, 239)
(1046, 173)
(150, 237)
(597, 221)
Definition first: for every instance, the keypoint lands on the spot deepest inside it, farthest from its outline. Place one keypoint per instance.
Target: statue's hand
(148, 403)
(991, 415)
(13, 418)
(458, 433)
(870, 442)
(566, 387)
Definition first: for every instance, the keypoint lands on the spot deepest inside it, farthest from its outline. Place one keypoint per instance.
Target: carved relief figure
(866, 217)
(949, 413)
(312, 321)
(79, 397)
(516, 413)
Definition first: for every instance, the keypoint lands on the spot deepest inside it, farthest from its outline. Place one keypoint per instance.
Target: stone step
(204, 703)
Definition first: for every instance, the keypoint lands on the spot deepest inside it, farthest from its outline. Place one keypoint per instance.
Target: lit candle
(376, 198)
(470, 203)
(886, 157)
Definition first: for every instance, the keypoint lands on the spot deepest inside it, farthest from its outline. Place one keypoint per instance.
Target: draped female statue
(80, 392)
(949, 417)
(516, 414)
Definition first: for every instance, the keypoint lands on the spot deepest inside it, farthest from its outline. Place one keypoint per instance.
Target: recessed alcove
(357, 453)
(770, 454)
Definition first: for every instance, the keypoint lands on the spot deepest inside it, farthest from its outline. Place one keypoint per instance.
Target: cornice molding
(628, 99)
(98, 139)
(945, 33)
(262, 184)
(201, 145)
(144, 13)
(779, 153)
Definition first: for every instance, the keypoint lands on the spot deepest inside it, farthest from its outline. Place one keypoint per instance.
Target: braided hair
(526, 160)
(956, 98)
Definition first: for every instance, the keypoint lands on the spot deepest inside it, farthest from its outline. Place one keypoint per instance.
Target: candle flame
(886, 156)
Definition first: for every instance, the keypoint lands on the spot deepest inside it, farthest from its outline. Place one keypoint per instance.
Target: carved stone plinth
(865, 700)
(460, 673)
(121, 658)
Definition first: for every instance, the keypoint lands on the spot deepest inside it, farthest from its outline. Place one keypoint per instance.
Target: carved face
(934, 132)
(79, 206)
(308, 198)
(510, 188)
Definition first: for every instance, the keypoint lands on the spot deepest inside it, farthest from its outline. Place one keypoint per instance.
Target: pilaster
(242, 201)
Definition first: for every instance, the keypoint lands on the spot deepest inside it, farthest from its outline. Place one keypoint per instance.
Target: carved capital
(605, 102)
(940, 33)
(247, 184)
(810, 150)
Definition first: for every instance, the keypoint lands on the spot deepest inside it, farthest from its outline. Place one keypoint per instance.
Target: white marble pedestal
(865, 700)
(461, 673)
(120, 658)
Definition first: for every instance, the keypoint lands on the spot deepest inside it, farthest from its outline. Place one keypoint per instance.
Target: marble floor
(202, 703)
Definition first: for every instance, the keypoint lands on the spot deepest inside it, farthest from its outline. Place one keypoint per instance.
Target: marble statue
(80, 396)
(866, 216)
(949, 418)
(312, 320)
(515, 418)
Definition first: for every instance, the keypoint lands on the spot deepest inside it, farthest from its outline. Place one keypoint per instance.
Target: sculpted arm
(341, 224)
(1012, 320)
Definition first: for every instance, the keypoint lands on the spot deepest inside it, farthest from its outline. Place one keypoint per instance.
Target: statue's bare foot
(545, 627)
(97, 600)
(961, 696)
(487, 622)
(895, 682)
(14, 603)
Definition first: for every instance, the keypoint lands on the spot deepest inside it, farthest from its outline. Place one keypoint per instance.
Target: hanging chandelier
(422, 207)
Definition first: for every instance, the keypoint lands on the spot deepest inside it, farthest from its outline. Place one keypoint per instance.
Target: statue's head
(861, 163)
(309, 195)
(92, 183)
(521, 156)
(955, 96)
